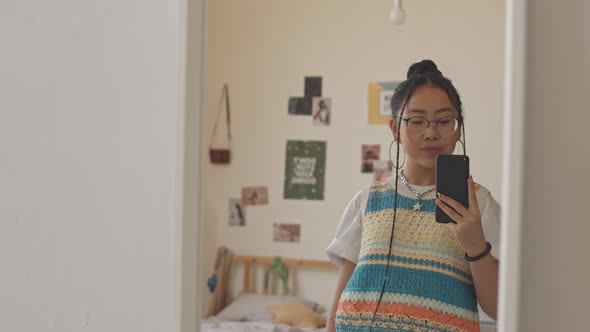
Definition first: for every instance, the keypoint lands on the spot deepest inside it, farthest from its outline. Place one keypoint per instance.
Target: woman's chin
(428, 163)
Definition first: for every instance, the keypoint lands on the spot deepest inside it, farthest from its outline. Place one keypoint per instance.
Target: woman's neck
(419, 176)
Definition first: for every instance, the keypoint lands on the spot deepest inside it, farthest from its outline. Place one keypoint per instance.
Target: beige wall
(555, 272)
(264, 48)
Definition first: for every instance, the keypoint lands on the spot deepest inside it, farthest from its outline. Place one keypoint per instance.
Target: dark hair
(422, 73)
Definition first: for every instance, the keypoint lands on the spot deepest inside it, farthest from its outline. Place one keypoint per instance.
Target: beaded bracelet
(480, 256)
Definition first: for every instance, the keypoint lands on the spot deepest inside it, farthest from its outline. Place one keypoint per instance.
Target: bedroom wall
(91, 139)
(263, 49)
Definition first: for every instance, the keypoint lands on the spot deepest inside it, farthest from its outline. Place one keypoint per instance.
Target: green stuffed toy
(281, 268)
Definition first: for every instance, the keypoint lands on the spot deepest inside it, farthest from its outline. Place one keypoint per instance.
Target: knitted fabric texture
(430, 287)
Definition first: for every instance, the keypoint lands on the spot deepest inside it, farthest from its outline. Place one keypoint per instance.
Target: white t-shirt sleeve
(347, 241)
(490, 218)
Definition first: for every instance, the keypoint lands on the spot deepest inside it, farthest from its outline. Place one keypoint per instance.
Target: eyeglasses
(446, 126)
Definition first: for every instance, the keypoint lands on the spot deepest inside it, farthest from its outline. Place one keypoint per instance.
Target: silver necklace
(417, 206)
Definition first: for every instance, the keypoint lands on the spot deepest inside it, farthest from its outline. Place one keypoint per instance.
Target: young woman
(427, 276)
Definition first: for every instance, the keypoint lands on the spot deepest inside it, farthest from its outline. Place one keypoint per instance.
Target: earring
(391, 161)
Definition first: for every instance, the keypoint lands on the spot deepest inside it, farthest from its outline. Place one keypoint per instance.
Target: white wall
(264, 48)
(555, 270)
(91, 140)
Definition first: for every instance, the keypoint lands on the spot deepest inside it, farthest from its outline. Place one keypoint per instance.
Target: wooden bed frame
(265, 262)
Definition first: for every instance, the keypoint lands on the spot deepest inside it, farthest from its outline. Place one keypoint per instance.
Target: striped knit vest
(430, 287)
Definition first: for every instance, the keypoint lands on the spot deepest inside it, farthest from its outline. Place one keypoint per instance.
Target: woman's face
(422, 147)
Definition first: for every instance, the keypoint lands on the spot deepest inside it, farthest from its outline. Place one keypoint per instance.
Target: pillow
(253, 307)
(296, 314)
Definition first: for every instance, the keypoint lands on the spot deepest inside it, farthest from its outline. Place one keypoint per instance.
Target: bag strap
(224, 93)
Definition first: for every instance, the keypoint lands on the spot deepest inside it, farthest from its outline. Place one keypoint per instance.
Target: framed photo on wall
(380, 101)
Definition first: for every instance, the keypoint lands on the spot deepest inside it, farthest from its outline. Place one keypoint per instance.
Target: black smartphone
(452, 174)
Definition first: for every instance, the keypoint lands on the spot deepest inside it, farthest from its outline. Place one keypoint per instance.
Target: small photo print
(322, 109)
(370, 153)
(293, 105)
(286, 232)
(381, 169)
(237, 213)
(300, 105)
(313, 86)
(255, 196)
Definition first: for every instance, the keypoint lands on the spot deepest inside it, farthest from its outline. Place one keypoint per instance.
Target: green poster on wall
(305, 168)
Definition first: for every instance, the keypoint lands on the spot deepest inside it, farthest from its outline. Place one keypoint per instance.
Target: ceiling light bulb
(397, 15)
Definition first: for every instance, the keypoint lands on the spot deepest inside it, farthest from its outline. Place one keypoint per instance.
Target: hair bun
(423, 68)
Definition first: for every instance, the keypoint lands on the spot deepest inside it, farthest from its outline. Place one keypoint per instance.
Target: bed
(249, 312)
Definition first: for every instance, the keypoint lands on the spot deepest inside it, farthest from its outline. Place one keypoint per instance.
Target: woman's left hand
(468, 228)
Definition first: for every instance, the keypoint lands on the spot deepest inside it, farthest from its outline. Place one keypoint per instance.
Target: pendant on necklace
(417, 206)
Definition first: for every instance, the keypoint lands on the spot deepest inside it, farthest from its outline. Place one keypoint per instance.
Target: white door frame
(512, 170)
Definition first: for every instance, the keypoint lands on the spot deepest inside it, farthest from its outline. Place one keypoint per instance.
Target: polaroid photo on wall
(369, 154)
(237, 212)
(286, 232)
(254, 196)
(322, 111)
